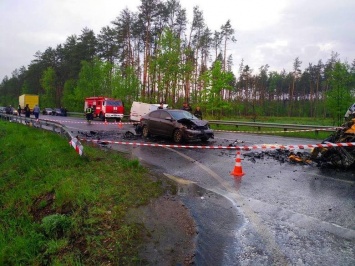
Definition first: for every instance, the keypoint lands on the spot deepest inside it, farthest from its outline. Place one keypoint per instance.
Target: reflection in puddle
(217, 220)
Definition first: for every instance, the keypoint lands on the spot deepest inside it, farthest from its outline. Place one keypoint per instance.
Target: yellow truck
(29, 99)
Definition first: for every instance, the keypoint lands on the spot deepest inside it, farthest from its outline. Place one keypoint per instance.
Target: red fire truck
(105, 108)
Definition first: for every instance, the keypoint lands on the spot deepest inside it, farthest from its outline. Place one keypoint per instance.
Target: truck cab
(105, 108)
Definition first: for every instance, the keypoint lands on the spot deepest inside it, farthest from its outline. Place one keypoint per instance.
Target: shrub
(56, 225)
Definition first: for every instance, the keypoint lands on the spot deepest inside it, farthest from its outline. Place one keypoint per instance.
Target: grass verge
(59, 208)
(320, 135)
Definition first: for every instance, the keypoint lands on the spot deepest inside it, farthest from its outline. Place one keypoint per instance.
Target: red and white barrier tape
(246, 148)
(77, 146)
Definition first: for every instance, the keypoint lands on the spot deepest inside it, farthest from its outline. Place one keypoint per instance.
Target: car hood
(196, 122)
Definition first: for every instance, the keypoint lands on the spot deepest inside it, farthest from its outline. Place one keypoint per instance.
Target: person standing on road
(27, 111)
(19, 110)
(88, 112)
(186, 107)
(36, 111)
(198, 112)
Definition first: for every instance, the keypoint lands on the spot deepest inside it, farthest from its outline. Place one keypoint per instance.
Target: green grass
(59, 208)
(291, 120)
(277, 119)
(320, 135)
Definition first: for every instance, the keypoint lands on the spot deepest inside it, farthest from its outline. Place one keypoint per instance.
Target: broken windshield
(180, 114)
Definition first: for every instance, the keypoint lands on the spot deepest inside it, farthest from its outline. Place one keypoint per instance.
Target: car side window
(155, 114)
(164, 115)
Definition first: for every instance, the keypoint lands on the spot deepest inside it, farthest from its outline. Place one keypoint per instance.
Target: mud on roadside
(171, 232)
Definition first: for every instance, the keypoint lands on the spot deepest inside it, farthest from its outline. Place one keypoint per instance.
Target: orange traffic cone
(120, 124)
(238, 171)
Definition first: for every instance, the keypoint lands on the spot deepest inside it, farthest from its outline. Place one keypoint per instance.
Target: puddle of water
(217, 220)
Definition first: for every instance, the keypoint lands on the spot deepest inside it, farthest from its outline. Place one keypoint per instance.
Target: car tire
(145, 132)
(177, 136)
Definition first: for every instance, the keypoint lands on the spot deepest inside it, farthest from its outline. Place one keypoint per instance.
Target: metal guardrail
(285, 127)
(43, 124)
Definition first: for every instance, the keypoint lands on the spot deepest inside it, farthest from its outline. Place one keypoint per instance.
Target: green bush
(56, 225)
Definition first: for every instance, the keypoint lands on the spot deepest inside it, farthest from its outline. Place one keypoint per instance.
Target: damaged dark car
(179, 125)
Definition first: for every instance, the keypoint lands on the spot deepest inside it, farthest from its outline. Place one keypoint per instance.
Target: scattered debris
(235, 143)
(281, 155)
(130, 136)
(98, 135)
(340, 157)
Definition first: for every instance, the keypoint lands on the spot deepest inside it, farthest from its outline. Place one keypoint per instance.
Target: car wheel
(204, 139)
(177, 136)
(102, 117)
(145, 132)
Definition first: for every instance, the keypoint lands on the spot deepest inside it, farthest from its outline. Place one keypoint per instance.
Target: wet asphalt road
(278, 213)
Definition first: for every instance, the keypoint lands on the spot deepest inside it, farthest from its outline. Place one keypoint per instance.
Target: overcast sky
(272, 32)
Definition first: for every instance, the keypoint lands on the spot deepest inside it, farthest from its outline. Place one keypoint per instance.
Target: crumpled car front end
(196, 129)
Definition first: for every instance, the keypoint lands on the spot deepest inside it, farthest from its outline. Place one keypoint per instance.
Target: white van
(140, 109)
